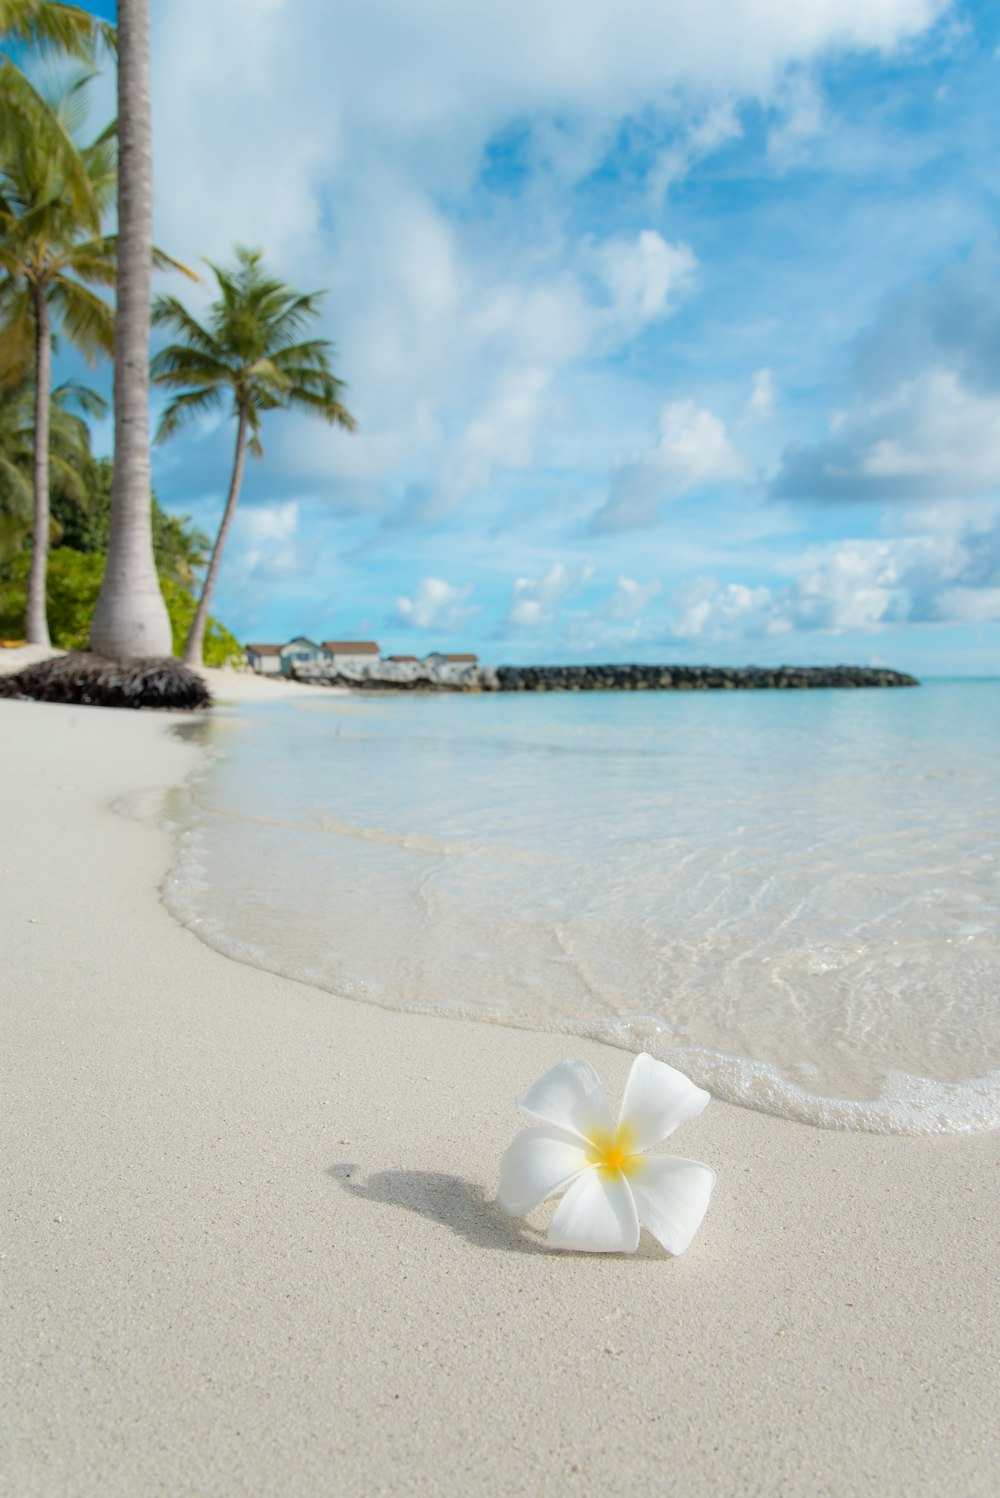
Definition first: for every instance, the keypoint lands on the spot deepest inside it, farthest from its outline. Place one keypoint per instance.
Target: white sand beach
(250, 1243)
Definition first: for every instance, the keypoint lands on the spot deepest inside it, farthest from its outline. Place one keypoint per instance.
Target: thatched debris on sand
(84, 678)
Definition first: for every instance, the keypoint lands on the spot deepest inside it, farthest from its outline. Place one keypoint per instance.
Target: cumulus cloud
(949, 574)
(704, 133)
(930, 436)
(266, 546)
(800, 120)
(436, 605)
(693, 448)
(924, 423)
(535, 602)
(704, 608)
(348, 115)
(763, 393)
(641, 276)
(631, 598)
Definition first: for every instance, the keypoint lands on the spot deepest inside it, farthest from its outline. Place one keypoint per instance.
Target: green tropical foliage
(50, 264)
(180, 551)
(251, 356)
(41, 28)
(73, 584)
(80, 524)
(70, 461)
(49, 257)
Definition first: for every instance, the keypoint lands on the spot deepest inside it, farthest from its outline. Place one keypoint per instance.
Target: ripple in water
(791, 896)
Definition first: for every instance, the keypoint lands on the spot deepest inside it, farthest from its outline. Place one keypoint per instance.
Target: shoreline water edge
(235, 1209)
(782, 926)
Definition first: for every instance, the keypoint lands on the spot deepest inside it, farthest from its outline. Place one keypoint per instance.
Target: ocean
(792, 896)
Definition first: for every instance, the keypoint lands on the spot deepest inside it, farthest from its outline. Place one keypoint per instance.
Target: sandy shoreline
(250, 1244)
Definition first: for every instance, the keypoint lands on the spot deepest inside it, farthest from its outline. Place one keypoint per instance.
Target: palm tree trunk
(196, 637)
(37, 624)
(131, 617)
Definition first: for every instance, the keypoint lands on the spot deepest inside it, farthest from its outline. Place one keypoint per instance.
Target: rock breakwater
(389, 678)
(693, 678)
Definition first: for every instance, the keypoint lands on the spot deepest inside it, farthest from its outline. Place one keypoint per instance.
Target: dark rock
(631, 678)
(92, 680)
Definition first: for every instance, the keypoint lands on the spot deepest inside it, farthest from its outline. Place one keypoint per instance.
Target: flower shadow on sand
(462, 1206)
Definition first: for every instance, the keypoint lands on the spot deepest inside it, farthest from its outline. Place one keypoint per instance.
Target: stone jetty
(693, 678)
(383, 678)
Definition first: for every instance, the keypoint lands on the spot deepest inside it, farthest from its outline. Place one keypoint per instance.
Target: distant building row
(347, 657)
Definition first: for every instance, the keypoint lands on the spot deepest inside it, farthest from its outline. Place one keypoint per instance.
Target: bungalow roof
(351, 647)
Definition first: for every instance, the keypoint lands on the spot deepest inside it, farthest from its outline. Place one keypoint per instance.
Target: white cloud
(693, 448)
(931, 435)
(336, 127)
(535, 602)
(970, 605)
(642, 275)
(763, 393)
(500, 434)
(801, 120)
(949, 574)
(707, 132)
(435, 605)
(704, 609)
(630, 598)
(265, 545)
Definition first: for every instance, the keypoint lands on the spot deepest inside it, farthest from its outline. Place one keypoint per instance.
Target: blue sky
(672, 327)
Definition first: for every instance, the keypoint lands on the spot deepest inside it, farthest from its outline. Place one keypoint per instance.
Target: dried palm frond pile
(84, 678)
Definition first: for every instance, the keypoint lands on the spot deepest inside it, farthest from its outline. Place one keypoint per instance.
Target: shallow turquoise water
(793, 896)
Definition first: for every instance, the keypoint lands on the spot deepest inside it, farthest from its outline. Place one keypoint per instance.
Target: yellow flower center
(613, 1151)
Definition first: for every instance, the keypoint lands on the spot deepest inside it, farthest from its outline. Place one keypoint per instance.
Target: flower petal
(571, 1097)
(672, 1197)
(657, 1101)
(597, 1215)
(538, 1162)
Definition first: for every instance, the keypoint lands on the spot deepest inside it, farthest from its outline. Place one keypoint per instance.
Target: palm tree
(49, 260)
(69, 446)
(43, 27)
(251, 349)
(70, 460)
(131, 617)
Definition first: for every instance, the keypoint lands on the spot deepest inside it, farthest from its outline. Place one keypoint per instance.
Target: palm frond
(252, 345)
(17, 496)
(175, 365)
(167, 310)
(185, 408)
(89, 401)
(64, 478)
(17, 332)
(163, 261)
(29, 128)
(87, 320)
(63, 30)
(322, 405)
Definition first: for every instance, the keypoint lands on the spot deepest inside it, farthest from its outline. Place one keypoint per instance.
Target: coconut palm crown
(251, 352)
(69, 455)
(46, 29)
(50, 259)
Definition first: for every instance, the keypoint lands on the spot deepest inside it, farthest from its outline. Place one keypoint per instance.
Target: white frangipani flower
(611, 1185)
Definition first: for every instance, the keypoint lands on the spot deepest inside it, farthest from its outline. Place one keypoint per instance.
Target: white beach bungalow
(351, 656)
(264, 659)
(298, 652)
(275, 660)
(451, 668)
